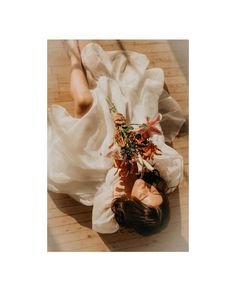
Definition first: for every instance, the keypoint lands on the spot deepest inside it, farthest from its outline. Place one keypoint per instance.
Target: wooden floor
(69, 223)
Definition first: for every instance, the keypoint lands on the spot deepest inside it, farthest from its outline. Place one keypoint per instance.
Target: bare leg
(79, 86)
(90, 77)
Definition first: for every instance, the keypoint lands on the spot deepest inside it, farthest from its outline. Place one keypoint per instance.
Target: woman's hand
(119, 119)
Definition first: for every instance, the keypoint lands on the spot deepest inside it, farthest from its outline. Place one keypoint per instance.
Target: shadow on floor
(82, 214)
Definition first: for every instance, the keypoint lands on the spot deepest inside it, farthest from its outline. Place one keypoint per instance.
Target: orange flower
(149, 151)
(118, 138)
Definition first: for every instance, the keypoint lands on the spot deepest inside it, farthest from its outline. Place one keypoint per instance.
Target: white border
(27, 267)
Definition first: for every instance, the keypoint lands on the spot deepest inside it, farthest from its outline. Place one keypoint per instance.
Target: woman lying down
(112, 153)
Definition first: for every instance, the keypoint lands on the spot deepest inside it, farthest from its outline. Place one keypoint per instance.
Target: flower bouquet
(132, 148)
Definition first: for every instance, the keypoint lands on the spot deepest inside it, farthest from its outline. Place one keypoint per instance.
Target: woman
(77, 146)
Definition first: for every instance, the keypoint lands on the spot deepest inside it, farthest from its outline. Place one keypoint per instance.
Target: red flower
(155, 120)
(150, 129)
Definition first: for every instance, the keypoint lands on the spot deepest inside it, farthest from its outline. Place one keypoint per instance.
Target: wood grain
(69, 222)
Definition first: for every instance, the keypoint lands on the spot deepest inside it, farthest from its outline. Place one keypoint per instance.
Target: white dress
(77, 147)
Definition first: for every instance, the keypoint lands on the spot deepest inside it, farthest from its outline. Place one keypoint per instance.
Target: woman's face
(146, 193)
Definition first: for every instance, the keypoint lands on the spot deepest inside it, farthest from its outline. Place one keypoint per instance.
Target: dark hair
(134, 214)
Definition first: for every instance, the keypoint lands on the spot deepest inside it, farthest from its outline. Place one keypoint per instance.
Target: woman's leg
(89, 75)
(79, 85)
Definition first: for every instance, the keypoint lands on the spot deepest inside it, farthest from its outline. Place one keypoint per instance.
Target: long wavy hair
(134, 214)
